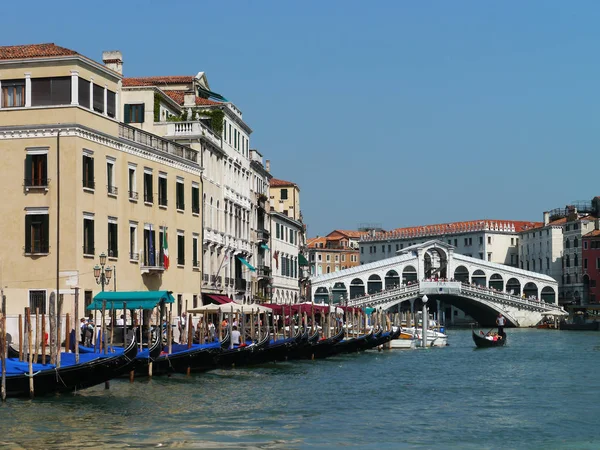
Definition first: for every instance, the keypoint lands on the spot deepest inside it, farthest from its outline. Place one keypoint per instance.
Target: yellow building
(78, 183)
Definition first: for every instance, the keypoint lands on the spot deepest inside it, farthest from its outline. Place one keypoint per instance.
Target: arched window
(575, 243)
(576, 261)
(568, 262)
(567, 243)
(568, 279)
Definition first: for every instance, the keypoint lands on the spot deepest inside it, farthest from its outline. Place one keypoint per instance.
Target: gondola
(581, 326)
(323, 347)
(355, 344)
(240, 355)
(91, 370)
(298, 352)
(482, 342)
(279, 350)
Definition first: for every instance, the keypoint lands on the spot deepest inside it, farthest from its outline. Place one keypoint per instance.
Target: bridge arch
(392, 279)
(339, 293)
(461, 273)
(435, 262)
(479, 278)
(409, 273)
(321, 295)
(357, 288)
(531, 290)
(513, 286)
(374, 284)
(497, 282)
(548, 295)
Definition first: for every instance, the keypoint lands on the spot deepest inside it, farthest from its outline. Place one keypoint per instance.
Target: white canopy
(229, 307)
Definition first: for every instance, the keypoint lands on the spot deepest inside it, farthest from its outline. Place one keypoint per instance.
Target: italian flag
(165, 251)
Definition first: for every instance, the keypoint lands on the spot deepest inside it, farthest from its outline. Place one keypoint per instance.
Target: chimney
(189, 99)
(113, 60)
(546, 218)
(268, 165)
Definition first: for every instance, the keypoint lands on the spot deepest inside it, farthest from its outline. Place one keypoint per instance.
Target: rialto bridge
(481, 289)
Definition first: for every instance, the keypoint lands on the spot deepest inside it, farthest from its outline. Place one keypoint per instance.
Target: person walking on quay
(500, 321)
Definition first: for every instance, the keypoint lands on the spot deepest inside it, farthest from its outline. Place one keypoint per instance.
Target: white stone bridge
(480, 288)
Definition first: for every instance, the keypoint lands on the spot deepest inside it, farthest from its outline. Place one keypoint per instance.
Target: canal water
(541, 391)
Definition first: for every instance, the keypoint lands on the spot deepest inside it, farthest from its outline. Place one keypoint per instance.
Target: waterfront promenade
(536, 393)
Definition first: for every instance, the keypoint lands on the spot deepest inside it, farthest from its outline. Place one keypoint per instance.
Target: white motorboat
(434, 338)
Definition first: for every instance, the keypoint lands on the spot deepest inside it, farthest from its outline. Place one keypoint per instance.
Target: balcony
(37, 247)
(36, 183)
(157, 143)
(112, 190)
(240, 284)
(263, 271)
(205, 278)
(192, 129)
(262, 235)
(152, 266)
(133, 195)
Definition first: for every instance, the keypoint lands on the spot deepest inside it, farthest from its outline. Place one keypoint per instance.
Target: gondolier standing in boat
(500, 321)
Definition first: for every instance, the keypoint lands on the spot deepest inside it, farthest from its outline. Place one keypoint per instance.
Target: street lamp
(102, 274)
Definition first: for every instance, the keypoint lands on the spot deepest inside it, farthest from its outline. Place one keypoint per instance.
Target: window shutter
(127, 114)
(142, 114)
(27, 234)
(90, 168)
(93, 247)
(46, 233)
(28, 173)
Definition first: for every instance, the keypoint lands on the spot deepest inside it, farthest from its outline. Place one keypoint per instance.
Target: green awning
(211, 95)
(302, 261)
(265, 246)
(247, 264)
(134, 299)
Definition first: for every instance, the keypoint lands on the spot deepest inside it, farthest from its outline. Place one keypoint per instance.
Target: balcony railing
(89, 184)
(162, 200)
(205, 278)
(157, 143)
(262, 235)
(37, 247)
(195, 128)
(36, 182)
(148, 197)
(240, 284)
(134, 256)
(263, 271)
(155, 265)
(112, 190)
(213, 279)
(133, 195)
(114, 253)
(195, 263)
(196, 209)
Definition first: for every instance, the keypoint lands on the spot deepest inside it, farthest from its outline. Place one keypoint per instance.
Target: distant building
(338, 250)
(591, 265)
(489, 240)
(287, 242)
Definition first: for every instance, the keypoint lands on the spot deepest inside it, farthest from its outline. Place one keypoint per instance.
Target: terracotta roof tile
(350, 233)
(457, 227)
(157, 81)
(312, 242)
(592, 233)
(34, 51)
(280, 183)
(179, 97)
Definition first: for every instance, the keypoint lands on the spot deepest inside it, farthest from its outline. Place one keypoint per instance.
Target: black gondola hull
(482, 342)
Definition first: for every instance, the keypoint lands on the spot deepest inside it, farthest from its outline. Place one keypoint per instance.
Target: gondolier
(500, 321)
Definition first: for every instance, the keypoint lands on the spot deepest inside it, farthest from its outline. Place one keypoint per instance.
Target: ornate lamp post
(102, 274)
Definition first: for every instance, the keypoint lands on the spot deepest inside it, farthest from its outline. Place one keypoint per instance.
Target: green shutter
(92, 246)
(27, 234)
(46, 234)
(28, 174)
(127, 114)
(142, 113)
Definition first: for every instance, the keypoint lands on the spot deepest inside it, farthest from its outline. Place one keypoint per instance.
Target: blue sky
(393, 112)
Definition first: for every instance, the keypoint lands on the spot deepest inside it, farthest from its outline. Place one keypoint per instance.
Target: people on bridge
(500, 321)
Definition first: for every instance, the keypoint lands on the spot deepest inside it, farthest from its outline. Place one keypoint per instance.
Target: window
(50, 91)
(84, 92)
(480, 255)
(456, 242)
(328, 258)
(37, 301)
(548, 263)
(37, 231)
(575, 243)
(180, 195)
(284, 194)
(466, 242)
(568, 261)
(180, 249)
(470, 241)
(576, 261)
(480, 240)
(195, 261)
(88, 234)
(383, 249)
(489, 256)
(575, 226)
(13, 93)
(162, 190)
(597, 263)
(36, 169)
(343, 258)
(489, 239)
(88, 171)
(148, 196)
(389, 248)
(195, 301)
(585, 245)
(362, 250)
(319, 258)
(98, 98)
(133, 254)
(111, 103)
(113, 236)
(131, 183)
(567, 243)
(277, 230)
(195, 199)
(133, 113)
(512, 241)
(225, 130)
(110, 177)
(585, 263)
